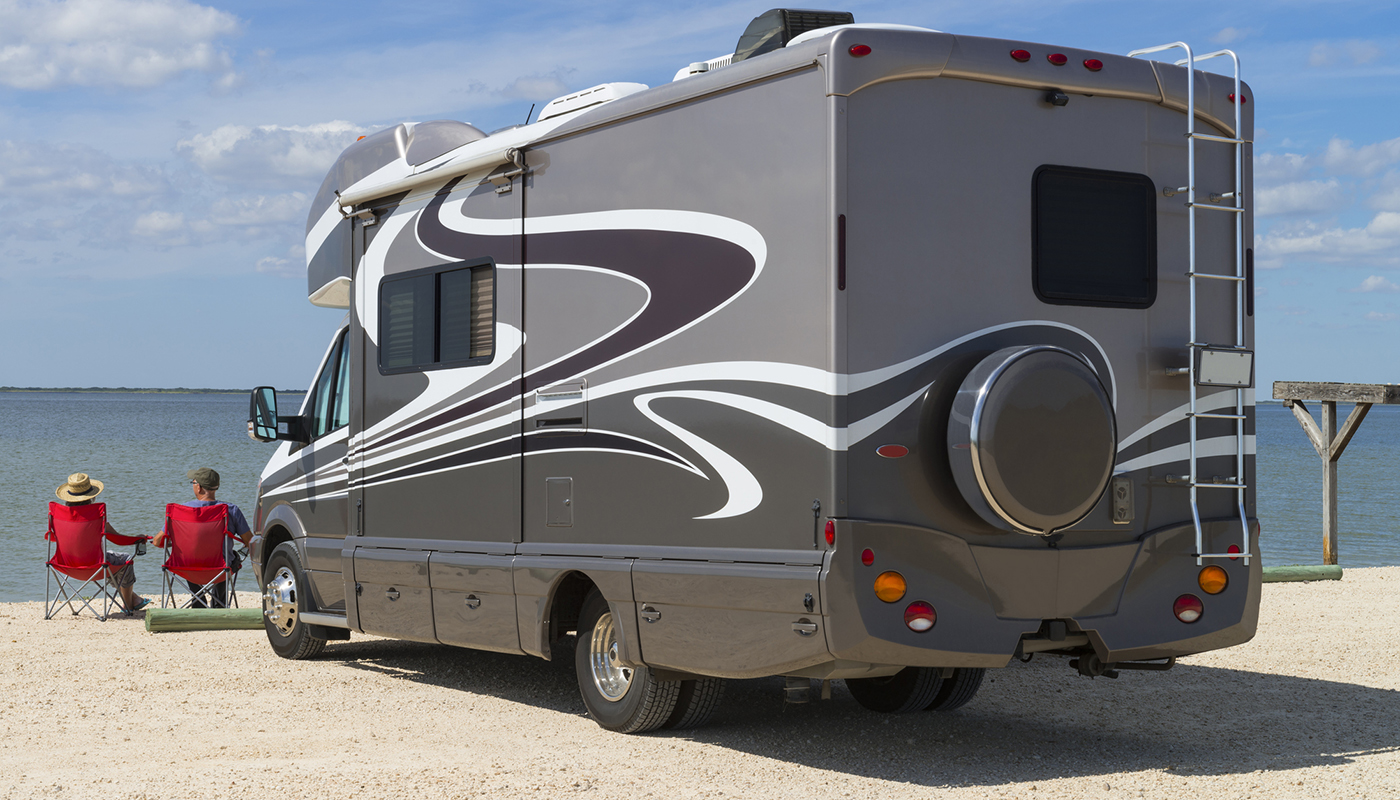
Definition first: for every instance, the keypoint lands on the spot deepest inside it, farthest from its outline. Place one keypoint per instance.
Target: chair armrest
(123, 539)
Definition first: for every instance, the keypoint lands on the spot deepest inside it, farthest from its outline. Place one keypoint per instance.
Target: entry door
(321, 502)
(438, 462)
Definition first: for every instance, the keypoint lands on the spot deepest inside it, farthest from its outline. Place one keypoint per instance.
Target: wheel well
(275, 536)
(567, 603)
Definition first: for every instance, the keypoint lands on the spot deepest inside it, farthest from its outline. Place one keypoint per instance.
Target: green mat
(160, 620)
(1330, 572)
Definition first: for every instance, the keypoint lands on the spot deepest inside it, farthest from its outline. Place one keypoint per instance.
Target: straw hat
(79, 488)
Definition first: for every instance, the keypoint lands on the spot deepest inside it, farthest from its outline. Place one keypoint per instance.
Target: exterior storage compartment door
(730, 620)
(392, 594)
(474, 601)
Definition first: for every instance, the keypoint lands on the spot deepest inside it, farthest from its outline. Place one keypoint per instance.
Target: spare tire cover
(1032, 439)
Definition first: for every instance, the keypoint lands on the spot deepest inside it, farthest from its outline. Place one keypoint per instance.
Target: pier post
(1326, 439)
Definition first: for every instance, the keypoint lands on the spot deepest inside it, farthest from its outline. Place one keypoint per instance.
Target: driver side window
(330, 400)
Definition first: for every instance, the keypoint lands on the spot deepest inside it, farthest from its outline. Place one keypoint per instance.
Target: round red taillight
(867, 556)
(1243, 99)
(1058, 59)
(831, 531)
(859, 50)
(1188, 608)
(920, 616)
(1021, 55)
(1234, 548)
(892, 450)
(1093, 64)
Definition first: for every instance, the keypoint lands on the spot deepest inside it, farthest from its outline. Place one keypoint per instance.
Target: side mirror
(262, 414)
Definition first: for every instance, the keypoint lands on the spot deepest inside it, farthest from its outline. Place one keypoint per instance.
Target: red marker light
(1021, 55)
(1234, 548)
(859, 50)
(1243, 99)
(1058, 59)
(1093, 64)
(867, 556)
(892, 450)
(1188, 608)
(831, 532)
(920, 616)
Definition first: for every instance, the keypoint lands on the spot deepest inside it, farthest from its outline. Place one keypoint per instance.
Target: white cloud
(1303, 197)
(1377, 243)
(1280, 166)
(158, 223)
(51, 43)
(1379, 317)
(1377, 283)
(1364, 161)
(44, 173)
(1354, 52)
(270, 153)
(541, 88)
(257, 210)
(292, 266)
(1228, 35)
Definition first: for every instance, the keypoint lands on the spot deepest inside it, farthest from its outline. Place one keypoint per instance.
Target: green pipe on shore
(161, 620)
(1321, 572)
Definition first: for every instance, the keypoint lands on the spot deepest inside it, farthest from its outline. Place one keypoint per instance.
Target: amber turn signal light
(1213, 580)
(890, 587)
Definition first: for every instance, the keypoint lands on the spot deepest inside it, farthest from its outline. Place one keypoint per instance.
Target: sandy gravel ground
(87, 709)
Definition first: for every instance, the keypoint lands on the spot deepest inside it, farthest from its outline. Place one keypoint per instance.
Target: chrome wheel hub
(610, 677)
(280, 601)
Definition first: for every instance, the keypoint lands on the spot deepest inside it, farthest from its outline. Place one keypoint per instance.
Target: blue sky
(157, 156)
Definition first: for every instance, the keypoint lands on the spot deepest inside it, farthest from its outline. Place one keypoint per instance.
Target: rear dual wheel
(915, 689)
(631, 699)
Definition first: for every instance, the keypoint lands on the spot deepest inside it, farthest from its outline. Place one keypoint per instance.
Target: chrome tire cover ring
(610, 677)
(280, 601)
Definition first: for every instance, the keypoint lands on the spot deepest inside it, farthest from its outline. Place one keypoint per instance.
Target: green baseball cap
(205, 477)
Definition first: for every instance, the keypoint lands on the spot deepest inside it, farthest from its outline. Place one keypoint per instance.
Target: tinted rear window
(1095, 237)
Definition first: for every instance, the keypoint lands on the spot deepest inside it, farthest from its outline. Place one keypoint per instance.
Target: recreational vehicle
(867, 353)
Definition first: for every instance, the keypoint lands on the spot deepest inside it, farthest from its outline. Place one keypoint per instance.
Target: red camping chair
(77, 559)
(194, 551)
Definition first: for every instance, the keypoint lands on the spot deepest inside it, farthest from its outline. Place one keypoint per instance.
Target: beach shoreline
(1309, 708)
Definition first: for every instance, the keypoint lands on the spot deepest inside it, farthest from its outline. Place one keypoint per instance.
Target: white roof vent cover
(602, 93)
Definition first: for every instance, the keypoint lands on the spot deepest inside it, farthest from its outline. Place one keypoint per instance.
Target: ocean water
(141, 446)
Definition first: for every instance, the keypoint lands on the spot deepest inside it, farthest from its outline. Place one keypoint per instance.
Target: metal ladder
(1195, 346)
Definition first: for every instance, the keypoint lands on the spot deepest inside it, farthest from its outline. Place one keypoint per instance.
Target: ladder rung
(1217, 416)
(1213, 276)
(1219, 485)
(1212, 138)
(1217, 346)
(1209, 207)
(1224, 555)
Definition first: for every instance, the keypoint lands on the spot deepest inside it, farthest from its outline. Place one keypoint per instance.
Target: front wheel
(619, 698)
(285, 596)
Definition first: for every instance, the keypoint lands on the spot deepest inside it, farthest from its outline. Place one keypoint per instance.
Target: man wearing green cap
(205, 482)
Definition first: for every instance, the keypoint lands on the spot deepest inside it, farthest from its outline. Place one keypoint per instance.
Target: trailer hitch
(1091, 667)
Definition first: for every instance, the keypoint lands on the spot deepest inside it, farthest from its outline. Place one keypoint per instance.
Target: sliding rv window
(1094, 237)
(437, 317)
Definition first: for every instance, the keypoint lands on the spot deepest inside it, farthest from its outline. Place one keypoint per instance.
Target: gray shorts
(121, 572)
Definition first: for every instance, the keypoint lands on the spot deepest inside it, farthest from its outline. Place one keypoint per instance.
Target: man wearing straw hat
(205, 483)
(81, 490)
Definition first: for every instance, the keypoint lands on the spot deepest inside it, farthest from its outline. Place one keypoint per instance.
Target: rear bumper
(988, 598)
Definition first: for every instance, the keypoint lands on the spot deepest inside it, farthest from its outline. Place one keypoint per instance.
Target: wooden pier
(1326, 439)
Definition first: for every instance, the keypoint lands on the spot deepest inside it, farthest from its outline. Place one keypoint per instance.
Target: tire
(910, 689)
(958, 690)
(285, 596)
(697, 700)
(621, 699)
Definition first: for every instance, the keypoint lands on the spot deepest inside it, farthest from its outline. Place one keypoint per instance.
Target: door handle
(392, 594)
(473, 602)
(345, 461)
(804, 628)
(650, 614)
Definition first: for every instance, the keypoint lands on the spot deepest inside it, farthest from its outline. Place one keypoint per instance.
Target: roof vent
(775, 28)
(587, 98)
